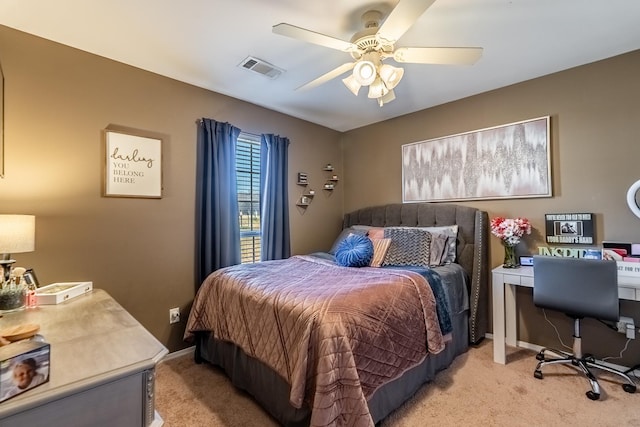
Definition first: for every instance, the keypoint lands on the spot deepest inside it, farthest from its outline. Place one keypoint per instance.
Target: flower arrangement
(510, 230)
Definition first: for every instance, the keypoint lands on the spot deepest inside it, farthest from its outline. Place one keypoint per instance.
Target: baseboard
(520, 344)
(537, 348)
(179, 353)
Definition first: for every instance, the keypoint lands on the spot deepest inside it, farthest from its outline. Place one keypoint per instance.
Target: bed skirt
(272, 392)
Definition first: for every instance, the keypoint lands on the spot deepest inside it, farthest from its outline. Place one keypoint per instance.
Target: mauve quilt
(335, 334)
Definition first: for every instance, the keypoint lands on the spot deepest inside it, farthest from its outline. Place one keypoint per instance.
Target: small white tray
(56, 293)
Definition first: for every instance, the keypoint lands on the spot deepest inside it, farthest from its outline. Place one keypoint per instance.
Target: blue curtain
(217, 227)
(274, 216)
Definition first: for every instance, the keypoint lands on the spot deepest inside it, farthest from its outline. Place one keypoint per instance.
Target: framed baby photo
(24, 365)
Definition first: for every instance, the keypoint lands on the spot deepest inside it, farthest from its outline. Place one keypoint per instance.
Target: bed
(304, 336)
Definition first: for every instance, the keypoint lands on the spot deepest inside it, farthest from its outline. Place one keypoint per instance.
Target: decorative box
(23, 366)
(56, 293)
(628, 268)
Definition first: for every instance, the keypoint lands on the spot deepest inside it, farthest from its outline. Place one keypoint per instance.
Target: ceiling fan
(375, 44)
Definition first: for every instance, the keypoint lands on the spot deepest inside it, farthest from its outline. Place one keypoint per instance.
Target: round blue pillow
(354, 251)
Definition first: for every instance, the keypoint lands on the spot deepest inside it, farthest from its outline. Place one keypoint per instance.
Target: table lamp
(17, 235)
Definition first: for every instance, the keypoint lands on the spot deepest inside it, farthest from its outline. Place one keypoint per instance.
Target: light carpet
(473, 391)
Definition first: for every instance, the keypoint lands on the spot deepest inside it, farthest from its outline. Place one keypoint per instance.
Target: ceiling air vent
(261, 67)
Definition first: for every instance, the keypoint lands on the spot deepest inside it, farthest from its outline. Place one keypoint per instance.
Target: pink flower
(510, 230)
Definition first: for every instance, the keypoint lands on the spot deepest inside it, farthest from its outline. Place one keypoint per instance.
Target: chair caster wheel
(538, 374)
(593, 396)
(629, 388)
(540, 356)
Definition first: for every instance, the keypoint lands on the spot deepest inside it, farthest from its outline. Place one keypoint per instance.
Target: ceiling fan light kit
(391, 75)
(364, 72)
(352, 84)
(377, 89)
(371, 46)
(390, 96)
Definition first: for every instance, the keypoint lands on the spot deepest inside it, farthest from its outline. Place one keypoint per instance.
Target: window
(248, 188)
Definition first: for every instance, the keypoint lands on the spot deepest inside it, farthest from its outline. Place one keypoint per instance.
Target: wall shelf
(303, 179)
(305, 201)
(332, 180)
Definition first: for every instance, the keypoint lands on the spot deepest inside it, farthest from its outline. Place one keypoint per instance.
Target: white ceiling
(201, 42)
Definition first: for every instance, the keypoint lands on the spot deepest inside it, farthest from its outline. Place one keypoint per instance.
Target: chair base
(582, 363)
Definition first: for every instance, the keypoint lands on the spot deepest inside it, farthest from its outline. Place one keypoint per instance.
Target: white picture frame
(133, 165)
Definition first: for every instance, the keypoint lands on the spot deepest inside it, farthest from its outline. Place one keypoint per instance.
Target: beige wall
(57, 102)
(595, 152)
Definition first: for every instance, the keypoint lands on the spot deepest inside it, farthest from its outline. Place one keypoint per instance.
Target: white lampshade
(17, 233)
(391, 75)
(365, 72)
(390, 96)
(352, 84)
(377, 89)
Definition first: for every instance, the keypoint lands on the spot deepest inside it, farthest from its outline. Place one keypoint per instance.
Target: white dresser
(102, 368)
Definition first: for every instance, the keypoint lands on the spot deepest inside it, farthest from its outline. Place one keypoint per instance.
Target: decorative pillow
(438, 249)
(376, 233)
(380, 248)
(409, 246)
(343, 235)
(451, 231)
(354, 251)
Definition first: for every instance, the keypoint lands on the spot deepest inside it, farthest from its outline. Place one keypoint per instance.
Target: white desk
(504, 282)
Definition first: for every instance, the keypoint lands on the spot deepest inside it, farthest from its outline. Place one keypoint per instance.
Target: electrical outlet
(174, 315)
(626, 325)
(631, 331)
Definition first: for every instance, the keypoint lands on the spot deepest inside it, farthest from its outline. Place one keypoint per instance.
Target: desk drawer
(526, 281)
(627, 293)
(515, 279)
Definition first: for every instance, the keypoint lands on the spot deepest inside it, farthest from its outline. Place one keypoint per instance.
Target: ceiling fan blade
(438, 55)
(328, 76)
(294, 32)
(401, 18)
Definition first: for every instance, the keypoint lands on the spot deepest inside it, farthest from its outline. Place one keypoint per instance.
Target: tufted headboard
(472, 248)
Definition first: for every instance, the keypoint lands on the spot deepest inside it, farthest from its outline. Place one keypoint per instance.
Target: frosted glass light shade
(377, 89)
(391, 75)
(352, 84)
(364, 72)
(17, 233)
(390, 96)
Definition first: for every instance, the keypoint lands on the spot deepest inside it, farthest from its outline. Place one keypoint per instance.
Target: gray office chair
(579, 288)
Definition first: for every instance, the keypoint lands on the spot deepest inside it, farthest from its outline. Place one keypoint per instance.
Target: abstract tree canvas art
(508, 161)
